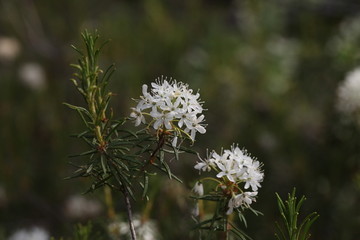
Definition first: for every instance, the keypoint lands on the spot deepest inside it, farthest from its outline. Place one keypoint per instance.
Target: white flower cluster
(172, 105)
(235, 166)
(349, 93)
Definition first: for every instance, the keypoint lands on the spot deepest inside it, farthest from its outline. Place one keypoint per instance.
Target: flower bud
(198, 189)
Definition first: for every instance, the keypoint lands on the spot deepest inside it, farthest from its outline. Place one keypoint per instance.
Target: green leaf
(176, 152)
(206, 222)
(129, 132)
(161, 158)
(84, 153)
(77, 50)
(80, 135)
(76, 175)
(113, 129)
(89, 169)
(129, 159)
(307, 222)
(98, 184)
(146, 184)
(239, 232)
(188, 150)
(256, 212)
(166, 170)
(121, 164)
(146, 148)
(91, 144)
(242, 217)
(121, 176)
(103, 164)
(209, 197)
(281, 231)
(289, 213)
(106, 77)
(81, 109)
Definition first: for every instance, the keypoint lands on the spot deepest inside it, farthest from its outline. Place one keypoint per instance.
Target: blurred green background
(268, 72)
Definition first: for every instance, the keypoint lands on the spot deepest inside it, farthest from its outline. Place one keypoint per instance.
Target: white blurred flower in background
(145, 229)
(9, 49)
(197, 57)
(79, 207)
(349, 94)
(34, 233)
(33, 75)
(344, 44)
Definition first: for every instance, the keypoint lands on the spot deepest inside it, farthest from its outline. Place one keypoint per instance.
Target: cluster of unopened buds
(172, 107)
(233, 168)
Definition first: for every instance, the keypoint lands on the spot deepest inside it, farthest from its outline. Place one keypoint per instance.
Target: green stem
(212, 179)
(109, 202)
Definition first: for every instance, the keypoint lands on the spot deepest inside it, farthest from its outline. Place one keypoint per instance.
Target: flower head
(236, 166)
(235, 171)
(172, 107)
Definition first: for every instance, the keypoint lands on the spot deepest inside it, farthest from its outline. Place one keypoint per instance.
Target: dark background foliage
(268, 72)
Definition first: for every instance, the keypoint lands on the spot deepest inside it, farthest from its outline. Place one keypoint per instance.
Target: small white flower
(253, 176)
(137, 115)
(248, 198)
(227, 170)
(241, 200)
(205, 164)
(232, 204)
(198, 189)
(236, 154)
(216, 158)
(170, 106)
(185, 117)
(163, 120)
(195, 126)
(145, 93)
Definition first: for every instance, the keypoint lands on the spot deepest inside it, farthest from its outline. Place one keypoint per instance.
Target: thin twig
(129, 213)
